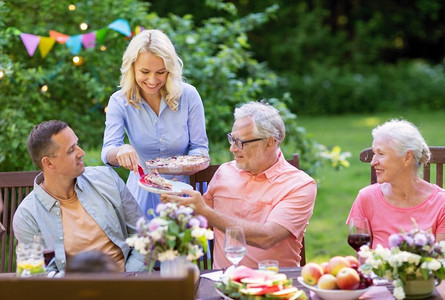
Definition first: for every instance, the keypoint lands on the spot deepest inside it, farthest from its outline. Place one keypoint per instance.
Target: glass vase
(419, 288)
(176, 267)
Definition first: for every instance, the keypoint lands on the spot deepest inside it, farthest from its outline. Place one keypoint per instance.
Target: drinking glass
(46, 242)
(359, 233)
(29, 259)
(235, 244)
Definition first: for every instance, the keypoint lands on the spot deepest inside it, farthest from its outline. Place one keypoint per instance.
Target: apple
(353, 261)
(348, 279)
(311, 272)
(327, 282)
(338, 262)
(326, 268)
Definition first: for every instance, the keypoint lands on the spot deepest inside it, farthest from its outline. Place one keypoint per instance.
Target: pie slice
(157, 181)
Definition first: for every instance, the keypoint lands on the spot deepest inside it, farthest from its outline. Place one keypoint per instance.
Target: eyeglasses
(239, 143)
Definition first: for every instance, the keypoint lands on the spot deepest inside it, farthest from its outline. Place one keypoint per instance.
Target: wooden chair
(14, 186)
(199, 182)
(437, 158)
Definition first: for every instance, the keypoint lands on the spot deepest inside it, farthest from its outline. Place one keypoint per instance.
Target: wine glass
(235, 244)
(359, 233)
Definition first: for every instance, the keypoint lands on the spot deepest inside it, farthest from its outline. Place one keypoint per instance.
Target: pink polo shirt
(282, 194)
(386, 219)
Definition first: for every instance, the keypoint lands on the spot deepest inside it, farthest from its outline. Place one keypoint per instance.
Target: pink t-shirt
(282, 194)
(386, 219)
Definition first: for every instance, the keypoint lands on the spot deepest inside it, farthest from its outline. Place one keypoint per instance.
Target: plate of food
(153, 182)
(246, 283)
(179, 165)
(333, 294)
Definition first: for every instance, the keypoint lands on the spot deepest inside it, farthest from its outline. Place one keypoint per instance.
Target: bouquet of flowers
(413, 255)
(175, 232)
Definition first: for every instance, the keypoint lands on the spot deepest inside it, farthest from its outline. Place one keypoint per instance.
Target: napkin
(215, 276)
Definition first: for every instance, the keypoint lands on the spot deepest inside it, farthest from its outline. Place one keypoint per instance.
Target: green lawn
(326, 232)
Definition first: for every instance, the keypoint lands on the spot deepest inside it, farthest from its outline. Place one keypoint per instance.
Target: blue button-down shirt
(168, 134)
(103, 195)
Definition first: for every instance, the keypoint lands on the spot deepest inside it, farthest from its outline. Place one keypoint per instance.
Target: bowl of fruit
(246, 283)
(337, 279)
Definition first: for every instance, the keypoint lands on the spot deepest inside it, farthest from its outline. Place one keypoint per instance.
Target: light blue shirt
(171, 133)
(103, 195)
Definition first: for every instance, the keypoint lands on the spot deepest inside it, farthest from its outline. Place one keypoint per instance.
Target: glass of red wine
(359, 233)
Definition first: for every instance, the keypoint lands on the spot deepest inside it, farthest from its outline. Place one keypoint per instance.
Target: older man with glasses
(260, 191)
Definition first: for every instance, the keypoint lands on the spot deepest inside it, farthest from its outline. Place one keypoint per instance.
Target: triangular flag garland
(46, 43)
(31, 42)
(74, 42)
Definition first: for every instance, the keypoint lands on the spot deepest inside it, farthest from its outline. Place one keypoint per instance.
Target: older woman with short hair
(399, 194)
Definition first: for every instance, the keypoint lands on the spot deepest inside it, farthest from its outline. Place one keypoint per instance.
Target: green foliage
(217, 56)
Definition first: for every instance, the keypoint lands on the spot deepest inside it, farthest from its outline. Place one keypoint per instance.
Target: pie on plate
(179, 165)
(155, 183)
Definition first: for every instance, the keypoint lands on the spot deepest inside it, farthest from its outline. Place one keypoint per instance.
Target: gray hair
(267, 119)
(157, 43)
(404, 137)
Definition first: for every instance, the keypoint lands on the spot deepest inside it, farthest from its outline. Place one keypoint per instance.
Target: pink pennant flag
(89, 40)
(31, 42)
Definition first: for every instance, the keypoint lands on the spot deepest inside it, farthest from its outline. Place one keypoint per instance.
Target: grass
(326, 233)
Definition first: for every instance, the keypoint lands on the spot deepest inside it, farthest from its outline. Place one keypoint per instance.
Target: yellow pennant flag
(45, 45)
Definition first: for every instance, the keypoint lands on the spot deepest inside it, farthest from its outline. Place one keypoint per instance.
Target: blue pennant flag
(74, 43)
(122, 26)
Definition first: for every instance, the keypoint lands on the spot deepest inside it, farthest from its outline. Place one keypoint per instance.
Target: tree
(217, 57)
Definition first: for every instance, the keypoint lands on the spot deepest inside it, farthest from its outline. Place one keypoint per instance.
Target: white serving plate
(333, 294)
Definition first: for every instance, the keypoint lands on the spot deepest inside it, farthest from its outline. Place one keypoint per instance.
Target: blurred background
(335, 70)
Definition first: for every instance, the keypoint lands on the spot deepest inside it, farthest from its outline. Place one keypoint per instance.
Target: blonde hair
(157, 43)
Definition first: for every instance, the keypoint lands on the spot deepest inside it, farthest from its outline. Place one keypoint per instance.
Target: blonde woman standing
(160, 114)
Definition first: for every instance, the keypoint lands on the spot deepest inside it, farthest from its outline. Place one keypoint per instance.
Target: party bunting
(122, 26)
(31, 42)
(101, 34)
(75, 42)
(46, 43)
(89, 40)
(59, 37)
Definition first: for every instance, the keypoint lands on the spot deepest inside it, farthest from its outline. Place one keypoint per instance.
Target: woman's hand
(127, 157)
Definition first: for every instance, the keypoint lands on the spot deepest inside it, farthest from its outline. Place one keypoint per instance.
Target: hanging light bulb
(44, 88)
(71, 7)
(83, 26)
(78, 60)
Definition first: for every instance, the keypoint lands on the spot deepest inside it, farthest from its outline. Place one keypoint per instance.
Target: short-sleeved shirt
(282, 194)
(102, 194)
(386, 219)
(168, 134)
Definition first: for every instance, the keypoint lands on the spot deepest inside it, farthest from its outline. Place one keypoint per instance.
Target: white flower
(399, 293)
(131, 240)
(140, 245)
(433, 265)
(209, 234)
(198, 232)
(168, 255)
(157, 234)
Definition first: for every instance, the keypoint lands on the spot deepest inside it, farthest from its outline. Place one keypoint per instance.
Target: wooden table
(206, 289)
